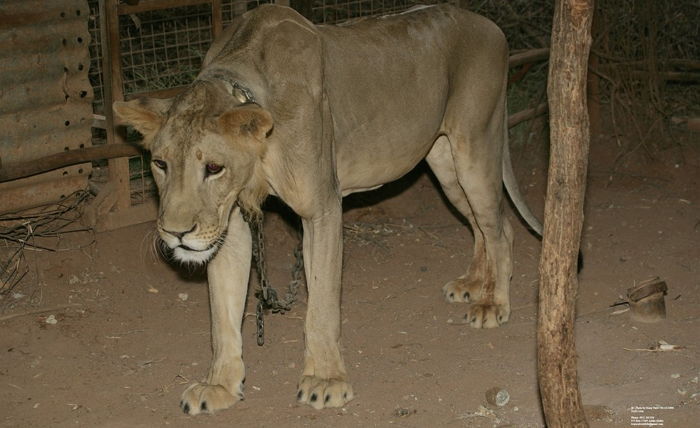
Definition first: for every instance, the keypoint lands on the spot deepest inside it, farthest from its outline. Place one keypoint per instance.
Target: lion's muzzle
(189, 246)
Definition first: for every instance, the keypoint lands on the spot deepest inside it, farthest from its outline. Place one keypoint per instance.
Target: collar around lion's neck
(235, 87)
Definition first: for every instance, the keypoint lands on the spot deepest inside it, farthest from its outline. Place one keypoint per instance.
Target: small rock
(403, 412)
(497, 396)
(51, 319)
(183, 296)
(675, 376)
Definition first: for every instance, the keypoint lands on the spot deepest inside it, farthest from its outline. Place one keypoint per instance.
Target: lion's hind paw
(487, 315)
(203, 398)
(321, 393)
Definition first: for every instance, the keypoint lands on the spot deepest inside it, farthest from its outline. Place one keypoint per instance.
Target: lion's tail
(517, 197)
(512, 185)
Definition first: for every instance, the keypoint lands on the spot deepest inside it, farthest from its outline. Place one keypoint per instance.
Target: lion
(310, 114)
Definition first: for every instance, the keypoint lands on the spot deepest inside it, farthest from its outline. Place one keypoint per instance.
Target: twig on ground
(39, 311)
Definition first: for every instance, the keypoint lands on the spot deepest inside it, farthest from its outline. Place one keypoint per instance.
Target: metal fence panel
(45, 101)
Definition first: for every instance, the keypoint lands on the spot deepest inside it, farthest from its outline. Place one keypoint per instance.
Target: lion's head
(205, 160)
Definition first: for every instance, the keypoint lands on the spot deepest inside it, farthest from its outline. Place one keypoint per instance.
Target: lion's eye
(213, 168)
(160, 164)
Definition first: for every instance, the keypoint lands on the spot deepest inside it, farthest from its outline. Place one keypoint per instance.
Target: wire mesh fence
(233, 8)
(163, 49)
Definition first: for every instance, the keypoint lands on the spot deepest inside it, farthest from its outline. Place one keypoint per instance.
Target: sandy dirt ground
(130, 331)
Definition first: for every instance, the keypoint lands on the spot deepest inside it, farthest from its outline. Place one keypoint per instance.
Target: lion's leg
(467, 287)
(477, 165)
(228, 275)
(324, 381)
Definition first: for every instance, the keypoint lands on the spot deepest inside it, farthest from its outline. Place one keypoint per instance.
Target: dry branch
(39, 311)
(19, 231)
(669, 76)
(674, 63)
(692, 123)
(527, 114)
(528, 56)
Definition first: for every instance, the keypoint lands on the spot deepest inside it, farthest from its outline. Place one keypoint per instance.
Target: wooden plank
(63, 159)
(39, 193)
(149, 5)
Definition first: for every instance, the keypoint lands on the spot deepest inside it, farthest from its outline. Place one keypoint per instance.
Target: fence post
(113, 90)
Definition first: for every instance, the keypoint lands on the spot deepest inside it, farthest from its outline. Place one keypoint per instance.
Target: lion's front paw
(319, 393)
(462, 290)
(487, 315)
(204, 398)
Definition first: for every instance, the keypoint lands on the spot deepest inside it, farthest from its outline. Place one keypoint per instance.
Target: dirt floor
(130, 331)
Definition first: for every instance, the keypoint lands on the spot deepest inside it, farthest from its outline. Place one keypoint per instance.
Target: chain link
(268, 298)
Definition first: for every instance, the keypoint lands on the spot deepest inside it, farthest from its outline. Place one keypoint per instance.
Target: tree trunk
(569, 124)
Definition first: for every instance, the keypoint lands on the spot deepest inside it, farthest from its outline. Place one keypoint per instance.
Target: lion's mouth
(185, 254)
(193, 251)
(185, 247)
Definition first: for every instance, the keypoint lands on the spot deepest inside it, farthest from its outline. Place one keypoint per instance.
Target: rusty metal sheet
(45, 94)
(23, 197)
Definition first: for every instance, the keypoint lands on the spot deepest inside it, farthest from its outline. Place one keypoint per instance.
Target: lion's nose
(179, 235)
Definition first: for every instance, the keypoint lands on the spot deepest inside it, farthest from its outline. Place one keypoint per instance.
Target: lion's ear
(247, 120)
(146, 115)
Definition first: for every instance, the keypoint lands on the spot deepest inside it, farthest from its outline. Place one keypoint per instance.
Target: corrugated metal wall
(45, 95)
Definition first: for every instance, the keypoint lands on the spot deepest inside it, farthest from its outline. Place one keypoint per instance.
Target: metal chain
(268, 298)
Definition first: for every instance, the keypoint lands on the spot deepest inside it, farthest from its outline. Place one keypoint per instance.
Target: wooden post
(113, 91)
(216, 19)
(569, 125)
